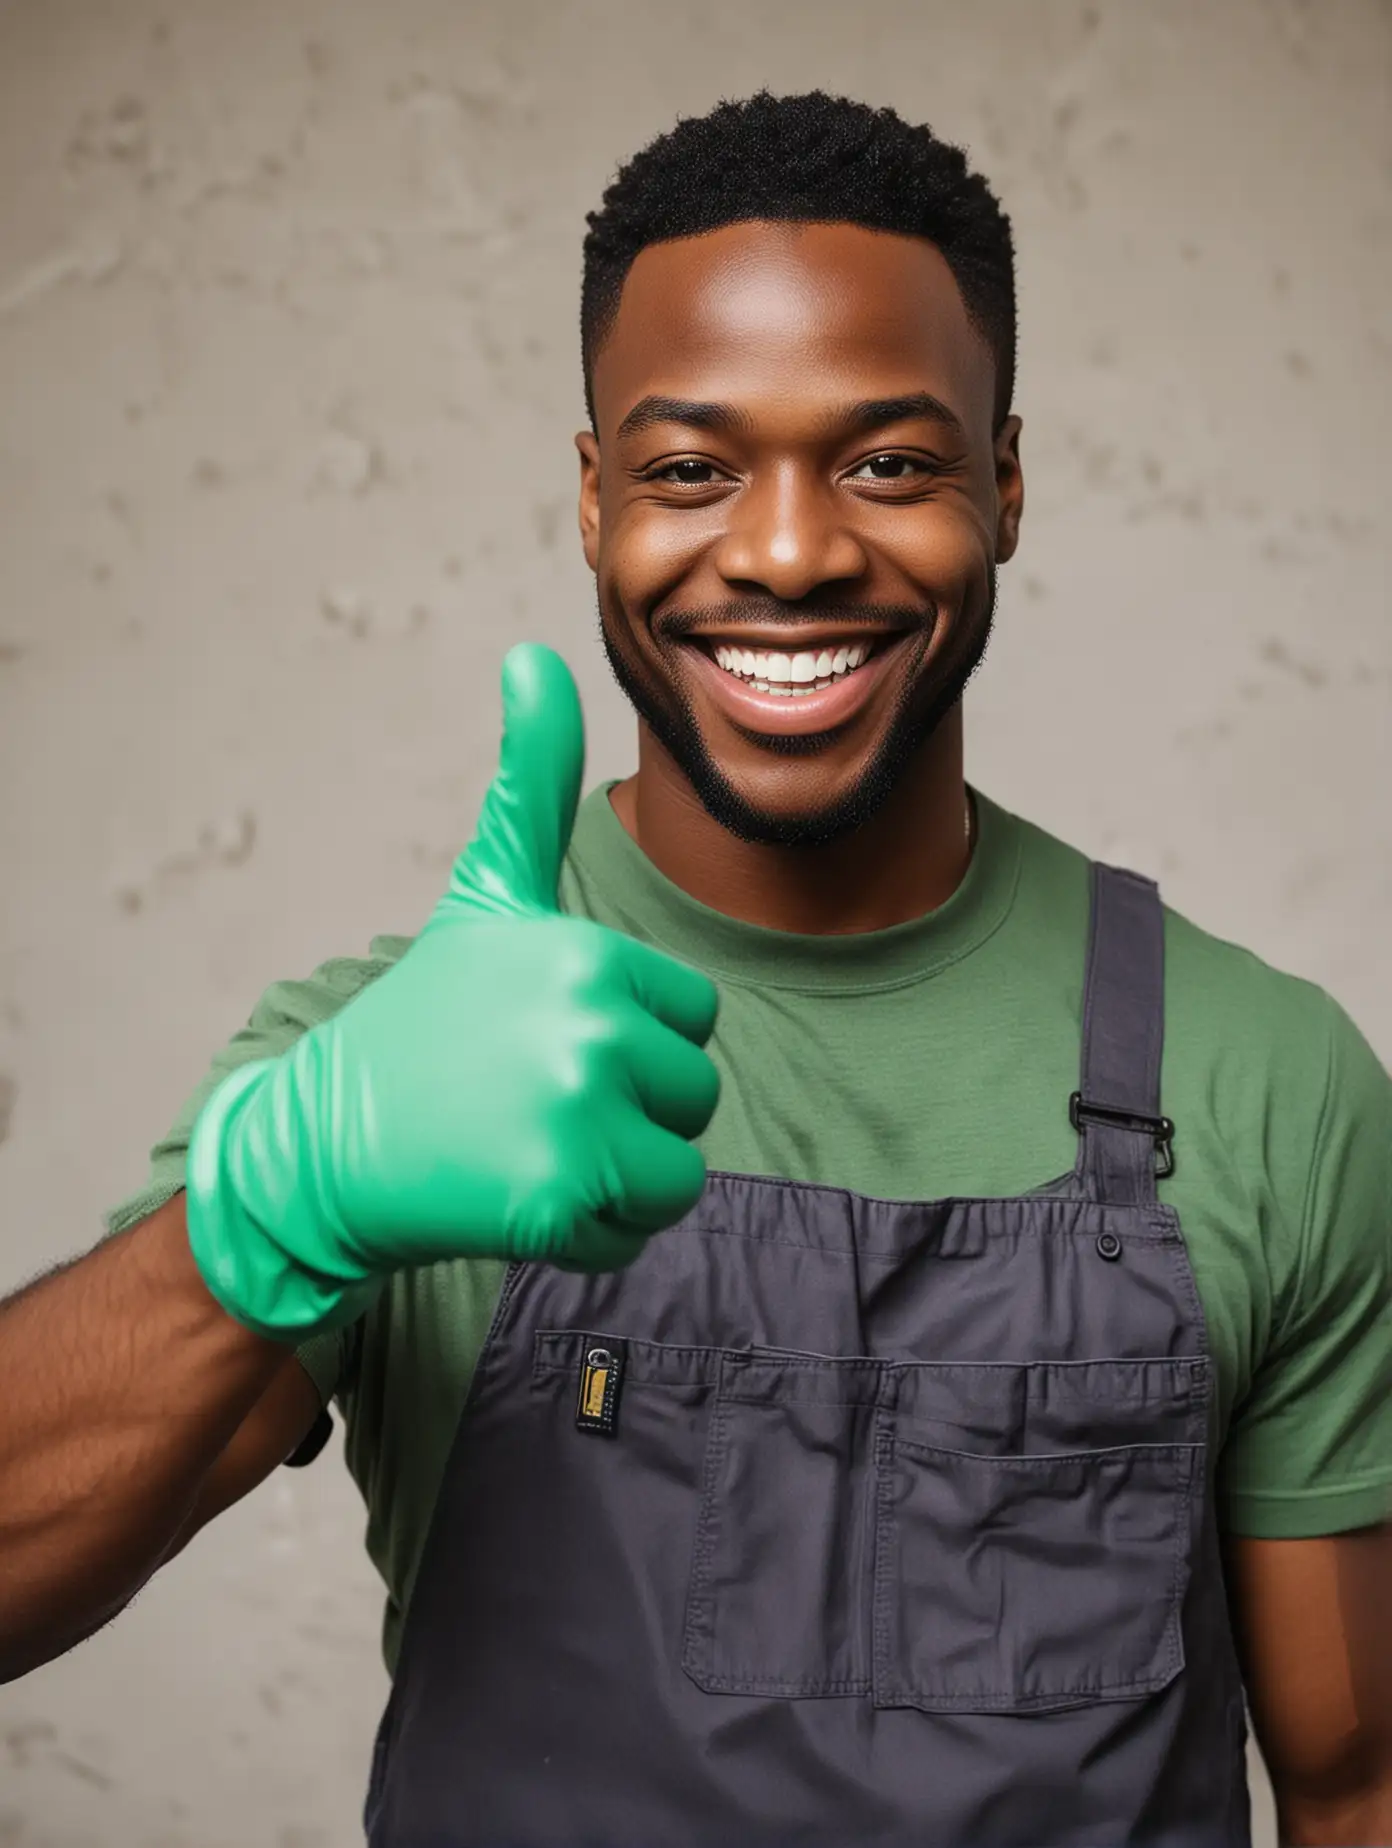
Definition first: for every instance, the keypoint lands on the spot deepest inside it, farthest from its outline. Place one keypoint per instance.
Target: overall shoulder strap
(1124, 1141)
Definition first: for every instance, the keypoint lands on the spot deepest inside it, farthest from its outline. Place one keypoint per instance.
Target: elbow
(23, 1651)
(1348, 1804)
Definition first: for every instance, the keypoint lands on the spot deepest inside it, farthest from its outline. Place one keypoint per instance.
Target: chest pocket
(970, 1538)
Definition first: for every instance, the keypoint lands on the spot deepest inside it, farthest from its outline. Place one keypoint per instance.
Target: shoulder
(1262, 1068)
(285, 1011)
(1280, 1042)
(288, 1008)
(1245, 995)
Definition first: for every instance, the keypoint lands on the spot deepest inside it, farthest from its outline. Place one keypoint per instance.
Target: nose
(788, 536)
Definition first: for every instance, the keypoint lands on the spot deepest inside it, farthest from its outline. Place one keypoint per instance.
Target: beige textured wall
(287, 382)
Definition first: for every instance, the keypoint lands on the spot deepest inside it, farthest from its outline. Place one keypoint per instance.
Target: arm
(1314, 1625)
(132, 1409)
(520, 1085)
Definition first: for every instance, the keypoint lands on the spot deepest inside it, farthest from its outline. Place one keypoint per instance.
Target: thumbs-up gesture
(520, 1085)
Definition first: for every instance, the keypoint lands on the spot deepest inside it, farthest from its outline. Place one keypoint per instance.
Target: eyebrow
(875, 413)
(852, 419)
(692, 412)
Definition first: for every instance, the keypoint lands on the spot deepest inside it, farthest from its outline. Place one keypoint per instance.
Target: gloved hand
(520, 1085)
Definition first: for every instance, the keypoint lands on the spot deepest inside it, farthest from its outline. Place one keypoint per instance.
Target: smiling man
(934, 1439)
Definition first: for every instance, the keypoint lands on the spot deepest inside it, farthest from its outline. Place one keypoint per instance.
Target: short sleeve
(284, 1012)
(1310, 1451)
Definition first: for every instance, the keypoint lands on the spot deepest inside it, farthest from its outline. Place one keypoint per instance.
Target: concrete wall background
(287, 381)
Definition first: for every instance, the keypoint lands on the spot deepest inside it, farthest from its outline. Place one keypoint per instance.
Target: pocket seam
(887, 1441)
(698, 1597)
(915, 1447)
(699, 1628)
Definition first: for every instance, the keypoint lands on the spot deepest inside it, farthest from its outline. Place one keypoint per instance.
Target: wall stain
(85, 1773)
(319, 57)
(1275, 653)
(94, 262)
(348, 463)
(20, 1741)
(215, 848)
(348, 610)
(9, 653)
(116, 136)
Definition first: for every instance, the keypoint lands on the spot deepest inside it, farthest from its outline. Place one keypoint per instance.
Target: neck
(908, 859)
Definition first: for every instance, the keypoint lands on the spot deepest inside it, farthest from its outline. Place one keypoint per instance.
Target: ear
(1010, 489)
(588, 445)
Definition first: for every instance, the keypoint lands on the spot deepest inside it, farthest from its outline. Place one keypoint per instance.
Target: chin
(762, 819)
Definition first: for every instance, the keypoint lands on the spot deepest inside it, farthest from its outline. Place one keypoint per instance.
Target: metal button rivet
(1108, 1246)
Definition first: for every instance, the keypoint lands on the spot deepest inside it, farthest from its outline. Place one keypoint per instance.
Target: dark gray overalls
(838, 1521)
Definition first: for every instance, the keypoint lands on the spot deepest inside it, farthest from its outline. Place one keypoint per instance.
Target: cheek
(645, 552)
(942, 548)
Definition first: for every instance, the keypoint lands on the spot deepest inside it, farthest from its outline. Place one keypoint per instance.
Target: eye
(687, 472)
(889, 467)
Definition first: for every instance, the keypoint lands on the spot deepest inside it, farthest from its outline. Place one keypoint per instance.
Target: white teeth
(792, 675)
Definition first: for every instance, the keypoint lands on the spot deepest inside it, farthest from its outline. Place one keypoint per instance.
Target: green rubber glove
(520, 1085)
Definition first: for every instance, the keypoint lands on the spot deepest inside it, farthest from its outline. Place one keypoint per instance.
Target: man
(928, 1478)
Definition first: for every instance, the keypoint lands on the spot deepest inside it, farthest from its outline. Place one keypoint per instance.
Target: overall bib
(838, 1521)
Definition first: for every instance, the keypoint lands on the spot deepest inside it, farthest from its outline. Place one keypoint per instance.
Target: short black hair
(812, 158)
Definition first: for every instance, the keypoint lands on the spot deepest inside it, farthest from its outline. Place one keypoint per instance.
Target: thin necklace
(967, 820)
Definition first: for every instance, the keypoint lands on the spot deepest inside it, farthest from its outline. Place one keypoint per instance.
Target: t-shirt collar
(615, 881)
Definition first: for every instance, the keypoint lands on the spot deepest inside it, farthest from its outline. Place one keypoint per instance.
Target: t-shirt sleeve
(284, 1012)
(1310, 1451)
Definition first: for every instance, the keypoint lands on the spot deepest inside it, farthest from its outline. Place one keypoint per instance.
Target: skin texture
(102, 1482)
(785, 530)
(1314, 1627)
(126, 1417)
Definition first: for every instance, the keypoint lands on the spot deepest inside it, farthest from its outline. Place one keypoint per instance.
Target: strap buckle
(1160, 1129)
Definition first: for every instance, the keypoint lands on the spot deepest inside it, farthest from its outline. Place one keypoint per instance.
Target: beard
(920, 710)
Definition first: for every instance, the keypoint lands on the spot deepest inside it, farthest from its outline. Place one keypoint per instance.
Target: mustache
(767, 612)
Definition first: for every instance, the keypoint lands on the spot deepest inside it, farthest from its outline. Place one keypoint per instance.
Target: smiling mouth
(794, 675)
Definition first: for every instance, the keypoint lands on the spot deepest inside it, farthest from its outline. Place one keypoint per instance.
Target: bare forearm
(1361, 1819)
(121, 1381)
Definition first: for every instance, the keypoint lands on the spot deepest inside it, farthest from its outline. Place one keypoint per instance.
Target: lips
(811, 701)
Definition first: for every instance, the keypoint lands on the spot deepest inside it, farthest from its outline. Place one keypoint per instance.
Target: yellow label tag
(596, 1379)
(601, 1375)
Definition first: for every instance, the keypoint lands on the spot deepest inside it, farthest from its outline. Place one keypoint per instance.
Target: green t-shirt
(935, 1059)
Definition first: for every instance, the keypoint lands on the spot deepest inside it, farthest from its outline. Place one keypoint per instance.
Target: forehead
(793, 316)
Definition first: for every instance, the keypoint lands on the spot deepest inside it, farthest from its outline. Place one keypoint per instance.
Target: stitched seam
(1295, 1291)
(913, 1447)
(888, 1443)
(914, 979)
(863, 1255)
(700, 1603)
(1350, 1485)
(1153, 1212)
